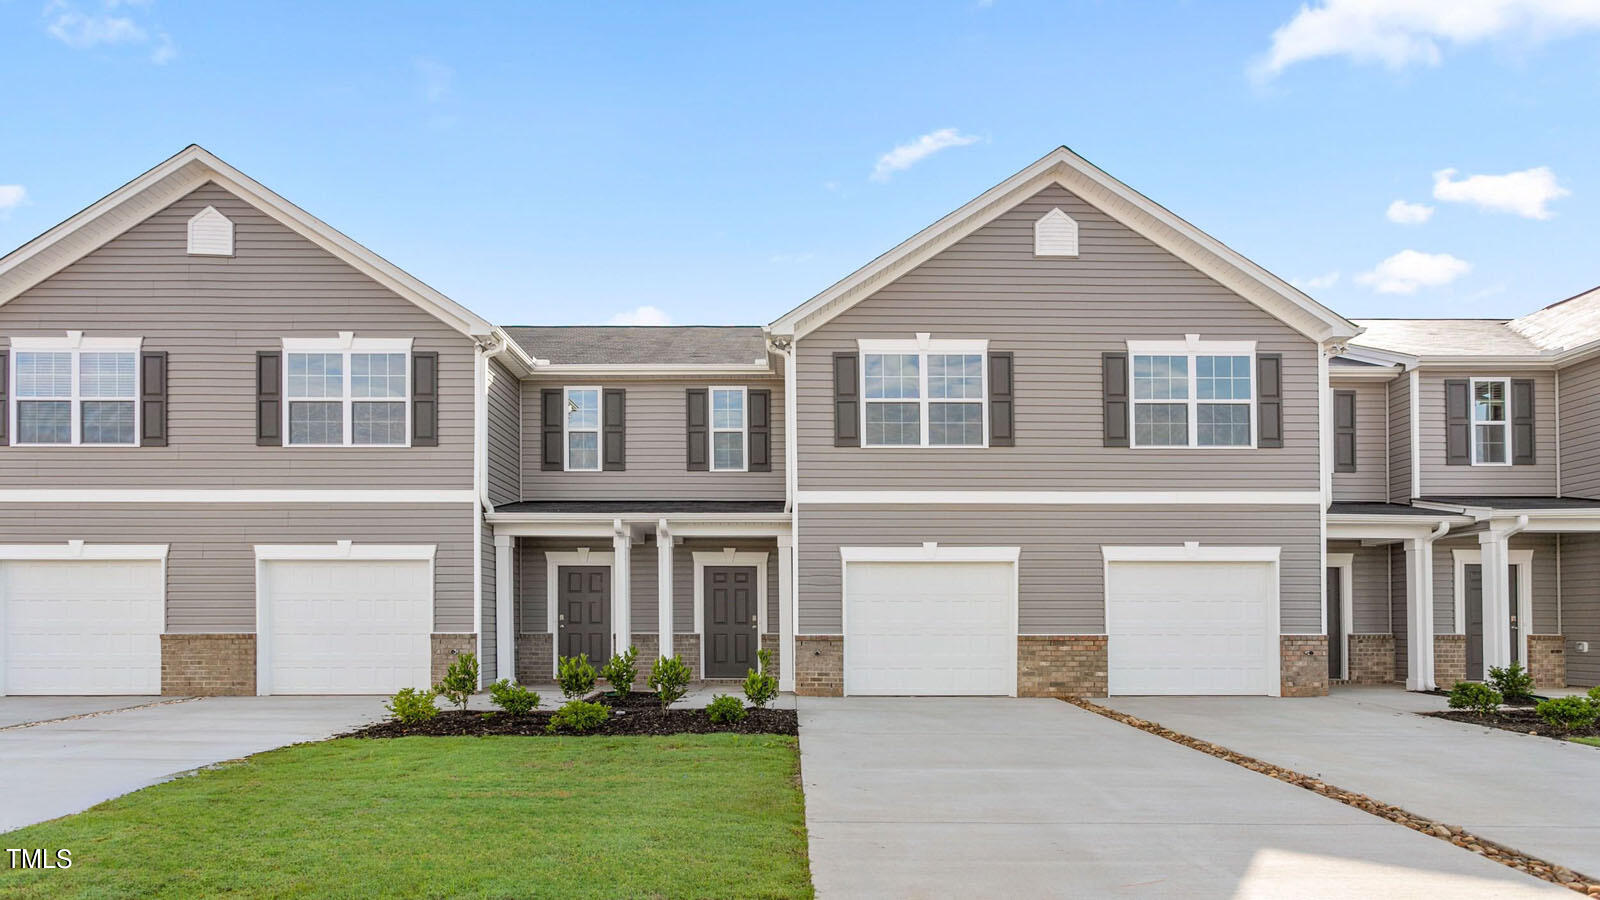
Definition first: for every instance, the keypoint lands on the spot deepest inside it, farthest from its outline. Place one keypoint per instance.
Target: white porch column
(1496, 558)
(505, 624)
(785, 613)
(663, 589)
(1419, 614)
(621, 567)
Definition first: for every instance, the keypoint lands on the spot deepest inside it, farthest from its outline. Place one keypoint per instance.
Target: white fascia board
(1374, 373)
(724, 370)
(82, 550)
(1379, 356)
(158, 495)
(1469, 361)
(930, 551)
(1192, 552)
(345, 550)
(510, 354)
(1065, 498)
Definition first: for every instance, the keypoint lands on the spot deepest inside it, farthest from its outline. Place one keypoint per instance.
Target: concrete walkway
(1527, 792)
(56, 768)
(16, 711)
(997, 797)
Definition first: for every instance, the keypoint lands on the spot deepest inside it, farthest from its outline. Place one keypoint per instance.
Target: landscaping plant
(759, 686)
(512, 697)
(725, 710)
(1513, 682)
(620, 672)
(669, 678)
(1568, 713)
(578, 716)
(1479, 698)
(575, 676)
(412, 707)
(460, 681)
(1594, 694)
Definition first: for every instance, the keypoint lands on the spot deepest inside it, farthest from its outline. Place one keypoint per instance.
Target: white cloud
(12, 196)
(166, 51)
(1525, 193)
(435, 77)
(1316, 282)
(1407, 271)
(910, 153)
(107, 23)
(1401, 33)
(644, 315)
(1402, 213)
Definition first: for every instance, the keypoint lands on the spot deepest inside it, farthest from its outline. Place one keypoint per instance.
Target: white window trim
(1523, 560)
(75, 343)
(743, 430)
(1192, 346)
(553, 561)
(1346, 564)
(728, 556)
(921, 346)
(347, 343)
(599, 428)
(81, 550)
(1473, 423)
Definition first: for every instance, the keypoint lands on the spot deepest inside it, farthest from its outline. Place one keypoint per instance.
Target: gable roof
(1563, 325)
(1117, 200)
(158, 188)
(1444, 337)
(641, 345)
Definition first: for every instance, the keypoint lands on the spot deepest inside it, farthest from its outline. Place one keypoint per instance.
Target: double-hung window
(1193, 393)
(582, 429)
(75, 391)
(1491, 415)
(924, 393)
(728, 424)
(347, 392)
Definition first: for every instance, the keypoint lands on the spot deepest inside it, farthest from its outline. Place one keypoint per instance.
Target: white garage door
(347, 626)
(932, 628)
(82, 627)
(1189, 627)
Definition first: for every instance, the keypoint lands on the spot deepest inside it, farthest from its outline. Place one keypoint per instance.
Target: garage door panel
(1188, 628)
(83, 626)
(930, 628)
(348, 627)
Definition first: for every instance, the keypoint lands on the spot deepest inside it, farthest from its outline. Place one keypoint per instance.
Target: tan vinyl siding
(1370, 480)
(1062, 577)
(1580, 430)
(657, 446)
(683, 577)
(211, 314)
(1580, 604)
(1400, 440)
(1544, 581)
(1369, 594)
(505, 436)
(211, 569)
(1438, 479)
(1057, 316)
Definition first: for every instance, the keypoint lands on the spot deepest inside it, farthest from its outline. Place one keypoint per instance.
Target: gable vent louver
(210, 234)
(1055, 234)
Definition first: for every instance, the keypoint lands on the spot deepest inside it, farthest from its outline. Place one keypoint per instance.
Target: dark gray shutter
(697, 432)
(1269, 400)
(5, 397)
(760, 431)
(615, 430)
(153, 399)
(1114, 398)
(1522, 439)
(1002, 401)
(1457, 423)
(846, 400)
(269, 398)
(425, 399)
(552, 455)
(1344, 431)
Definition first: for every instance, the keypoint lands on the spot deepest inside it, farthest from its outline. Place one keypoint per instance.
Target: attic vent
(210, 234)
(1055, 234)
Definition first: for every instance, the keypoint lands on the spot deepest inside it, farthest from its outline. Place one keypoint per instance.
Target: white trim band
(82, 550)
(346, 550)
(1067, 498)
(930, 551)
(1191, 552)
(161, 495)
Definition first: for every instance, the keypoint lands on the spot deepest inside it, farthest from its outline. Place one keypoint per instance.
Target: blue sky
(721, 163)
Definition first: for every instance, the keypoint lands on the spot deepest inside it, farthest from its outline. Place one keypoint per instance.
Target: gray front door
(730, 616)
(1473, 585)
(583, 612)
(1335, 625)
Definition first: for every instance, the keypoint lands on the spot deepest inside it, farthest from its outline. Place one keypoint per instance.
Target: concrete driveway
(60, 767)
(1527, 792)
(998, 797)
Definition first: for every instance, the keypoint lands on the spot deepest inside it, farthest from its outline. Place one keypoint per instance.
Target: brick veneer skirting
(819, 665)
(769, 643)
(1371, 658)
(446, 647)
(1304, 664)
(1547, 660)
(1061, 665)
(1449, 659)
(535, 665)
(208, 665)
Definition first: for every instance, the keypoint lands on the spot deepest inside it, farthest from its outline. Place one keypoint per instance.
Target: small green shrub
(412, 706)
(575, 676)
(620, 672)
(760, 687)
(1479, 698)
(578, 716)
(725, 710)
(669, 678)
(1568, 713)
(1513, 682)
(1594, 694)
(512, 697)
(460, 681)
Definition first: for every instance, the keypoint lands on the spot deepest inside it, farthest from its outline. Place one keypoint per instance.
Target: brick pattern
(1303, 660)
(1449, 659)
(769, 643)
(1061, 665)
(208, 665)
(819, 665)
(1547, 660)
(535, 664)
(648, 644)
(446, 647)
(1371, 658)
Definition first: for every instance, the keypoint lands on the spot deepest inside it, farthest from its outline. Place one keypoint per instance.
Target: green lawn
(1591, 741)
(717, 815)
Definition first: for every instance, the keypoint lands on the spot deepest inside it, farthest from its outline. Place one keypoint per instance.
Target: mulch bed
(1522, 721)
(636, 714)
